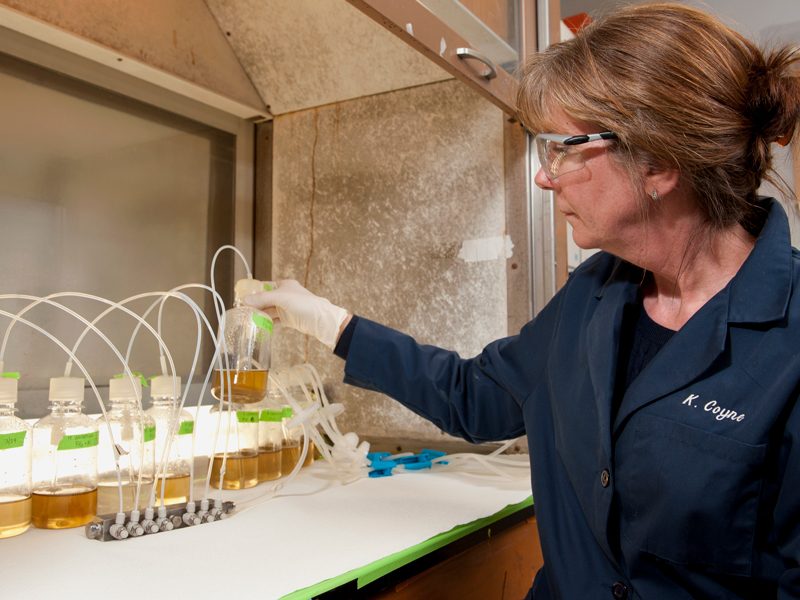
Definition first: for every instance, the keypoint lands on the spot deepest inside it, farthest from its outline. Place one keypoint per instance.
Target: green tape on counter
(186, 427)
(247, 416)
(79, 441)
(12, 440)
(149, 433)
(379, 568)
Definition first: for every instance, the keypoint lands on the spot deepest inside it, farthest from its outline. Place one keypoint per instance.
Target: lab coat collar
(761, 289)
(759, 292)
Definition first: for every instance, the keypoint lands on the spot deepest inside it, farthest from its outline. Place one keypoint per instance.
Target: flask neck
(64, 407)
(165, 402)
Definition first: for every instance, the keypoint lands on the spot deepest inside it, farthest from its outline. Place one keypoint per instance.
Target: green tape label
(268, 287)
(247, 416)
(150, 433)
(10, 375)
(79, 441)
(262, 322)
(186, 427)
(287, 412)
(136, 374)
(12, 440)
(272, 416)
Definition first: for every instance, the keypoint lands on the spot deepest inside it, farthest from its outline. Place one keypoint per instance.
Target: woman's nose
(542, 180)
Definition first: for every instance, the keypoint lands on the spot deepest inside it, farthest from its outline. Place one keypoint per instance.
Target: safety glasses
(559, 154)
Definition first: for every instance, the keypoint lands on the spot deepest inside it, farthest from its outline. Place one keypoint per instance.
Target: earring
(654, 195)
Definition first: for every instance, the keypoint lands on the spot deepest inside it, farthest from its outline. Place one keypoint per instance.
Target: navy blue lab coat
(692, 490)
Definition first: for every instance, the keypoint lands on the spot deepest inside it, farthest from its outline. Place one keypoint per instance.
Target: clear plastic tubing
(89, 326)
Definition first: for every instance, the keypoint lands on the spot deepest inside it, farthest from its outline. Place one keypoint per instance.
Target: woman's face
(599, 199)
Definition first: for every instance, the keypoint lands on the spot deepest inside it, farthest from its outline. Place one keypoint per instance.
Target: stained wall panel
(305, 53)
(373, 199)
(179, 37)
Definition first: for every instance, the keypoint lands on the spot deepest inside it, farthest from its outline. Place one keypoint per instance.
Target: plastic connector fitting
(191, 519)
(150, 526)
(133, 526)
(117, 530)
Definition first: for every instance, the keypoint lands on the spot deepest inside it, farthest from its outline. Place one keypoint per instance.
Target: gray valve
(134, 528)
(191, 519)
(165, 524)
(150, 526)
(118, 531)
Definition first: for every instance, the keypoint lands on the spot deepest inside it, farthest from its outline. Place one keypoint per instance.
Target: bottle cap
(245, 287)
(8, 390)
(120, 388)
(165, 386)
(66, 388)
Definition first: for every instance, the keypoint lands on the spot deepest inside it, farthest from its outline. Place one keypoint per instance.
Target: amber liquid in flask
(269, 464)
(247, 387)
(310, 456)
(290, 454)
(241, 471)
(63, 510)
(15, 515)
(15, 462)
(176, 489)
(64, 460)
(108, 497)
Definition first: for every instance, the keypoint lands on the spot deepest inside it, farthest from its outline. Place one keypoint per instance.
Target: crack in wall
(311, 223)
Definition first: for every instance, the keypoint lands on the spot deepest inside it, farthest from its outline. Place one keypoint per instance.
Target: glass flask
(15, 463)
(132, 441)
(236, 445)
(176, 426)
(270, 437)
(299, 380)
(248, 339)
(292, 442)
(64, 460)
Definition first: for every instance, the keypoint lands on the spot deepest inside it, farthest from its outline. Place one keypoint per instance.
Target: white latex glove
(296, 307)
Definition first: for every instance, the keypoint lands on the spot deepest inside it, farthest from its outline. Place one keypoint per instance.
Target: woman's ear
(660, 181)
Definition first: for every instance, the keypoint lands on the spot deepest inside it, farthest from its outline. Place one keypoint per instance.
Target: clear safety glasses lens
(556, 158)
(559, 154)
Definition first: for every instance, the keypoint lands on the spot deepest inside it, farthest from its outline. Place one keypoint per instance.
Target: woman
(659, 387)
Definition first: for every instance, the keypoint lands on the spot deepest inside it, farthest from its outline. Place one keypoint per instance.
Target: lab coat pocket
(690, 496)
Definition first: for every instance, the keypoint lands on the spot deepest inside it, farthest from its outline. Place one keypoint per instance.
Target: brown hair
(680, 90)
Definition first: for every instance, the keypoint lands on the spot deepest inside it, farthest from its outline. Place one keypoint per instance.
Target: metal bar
(414, 24)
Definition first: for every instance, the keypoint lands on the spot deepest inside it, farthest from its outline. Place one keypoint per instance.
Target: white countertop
(315, 530)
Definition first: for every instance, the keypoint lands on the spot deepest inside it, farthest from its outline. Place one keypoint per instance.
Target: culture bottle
(237, 446)
(64, 460)
(248, 338)
(132, 440)
(15, 463)
(270, 437)
(298, 379)
(292, 442)
(175, 426)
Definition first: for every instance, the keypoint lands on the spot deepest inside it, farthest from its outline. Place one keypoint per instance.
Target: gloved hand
(296, 307)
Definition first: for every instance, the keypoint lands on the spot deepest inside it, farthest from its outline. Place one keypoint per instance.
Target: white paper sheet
(317, 530)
